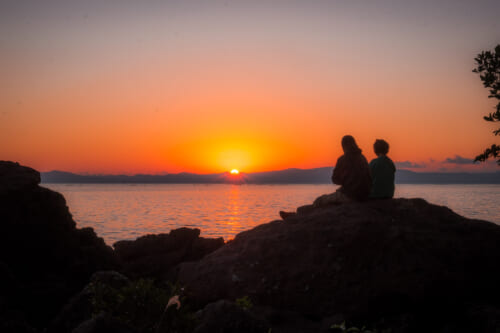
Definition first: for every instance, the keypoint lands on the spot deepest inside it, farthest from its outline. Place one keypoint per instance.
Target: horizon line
(165, 173)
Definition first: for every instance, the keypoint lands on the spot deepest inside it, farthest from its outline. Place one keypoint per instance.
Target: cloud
(408, 164)
(458, 160)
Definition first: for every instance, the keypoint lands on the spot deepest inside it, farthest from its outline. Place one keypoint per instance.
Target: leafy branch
(488, 68)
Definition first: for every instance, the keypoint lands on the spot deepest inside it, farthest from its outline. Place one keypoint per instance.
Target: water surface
(127, 211)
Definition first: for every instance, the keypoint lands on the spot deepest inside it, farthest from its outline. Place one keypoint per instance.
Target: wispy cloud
(408, 164)
(458, 160)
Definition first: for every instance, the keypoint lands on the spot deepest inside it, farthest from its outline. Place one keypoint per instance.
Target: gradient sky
(208, 86)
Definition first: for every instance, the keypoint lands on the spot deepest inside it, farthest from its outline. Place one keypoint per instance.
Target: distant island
(287, 176)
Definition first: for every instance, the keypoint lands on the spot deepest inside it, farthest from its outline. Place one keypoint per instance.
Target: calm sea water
(127, 211)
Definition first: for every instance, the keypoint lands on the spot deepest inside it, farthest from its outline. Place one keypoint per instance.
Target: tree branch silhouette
(488, 68)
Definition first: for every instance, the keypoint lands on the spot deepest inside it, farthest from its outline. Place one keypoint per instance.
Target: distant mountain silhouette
(287, 176)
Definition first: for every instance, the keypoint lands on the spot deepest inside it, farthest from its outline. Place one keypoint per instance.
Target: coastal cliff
(401, 265)
(44, 258)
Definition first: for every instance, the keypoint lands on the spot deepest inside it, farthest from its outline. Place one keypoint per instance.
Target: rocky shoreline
(400, 265)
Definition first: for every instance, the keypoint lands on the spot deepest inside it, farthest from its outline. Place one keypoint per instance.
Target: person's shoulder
(376, 159)
(390, 162)
(388, 159)
(363, 161)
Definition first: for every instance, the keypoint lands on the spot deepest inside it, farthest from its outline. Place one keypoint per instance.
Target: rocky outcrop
(15, 177)
(402, 258)
(153, 256)
(80, 308)
(227, 317)
(47, 258)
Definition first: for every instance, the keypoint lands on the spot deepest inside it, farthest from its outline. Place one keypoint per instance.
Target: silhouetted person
(351, 172)
(383, 170)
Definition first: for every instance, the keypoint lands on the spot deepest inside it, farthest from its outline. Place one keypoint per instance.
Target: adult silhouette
(351, 172)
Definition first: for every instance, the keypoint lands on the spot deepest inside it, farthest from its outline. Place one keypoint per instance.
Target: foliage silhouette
(342, 328)
(244, 302)
(142, 305)
(488, 68)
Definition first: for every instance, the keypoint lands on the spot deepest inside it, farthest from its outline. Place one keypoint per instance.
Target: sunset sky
(209, 86)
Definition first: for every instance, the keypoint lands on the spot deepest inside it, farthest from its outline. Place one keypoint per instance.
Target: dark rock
(285, 321)
(79, 309)
(155, 255)
(102, 324)
(49, 258)
(110, 278)
(14, 324)
(306, 209)
(227, 317)
(12, 319)
(483, 318)
(402, 258)
(15, 177)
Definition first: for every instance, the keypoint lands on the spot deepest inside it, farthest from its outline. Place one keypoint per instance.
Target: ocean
(127, 211)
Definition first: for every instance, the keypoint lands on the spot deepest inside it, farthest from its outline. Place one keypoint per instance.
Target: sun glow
(234, 172)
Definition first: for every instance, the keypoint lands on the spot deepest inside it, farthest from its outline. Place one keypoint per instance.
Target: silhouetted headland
(400, 264)
(288, 176)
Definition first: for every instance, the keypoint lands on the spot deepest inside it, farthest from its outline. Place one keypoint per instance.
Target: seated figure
(382, 169)
(351, 172)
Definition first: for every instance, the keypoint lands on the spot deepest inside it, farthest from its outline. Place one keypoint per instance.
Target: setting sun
(234, 172)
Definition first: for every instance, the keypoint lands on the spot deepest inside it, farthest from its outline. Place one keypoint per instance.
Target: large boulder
(227, 317)
(47, 256)
(360, 262)
(154, 256)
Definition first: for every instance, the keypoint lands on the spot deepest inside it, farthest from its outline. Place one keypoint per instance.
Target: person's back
(353, 174)
(352, 171)
(382, 171)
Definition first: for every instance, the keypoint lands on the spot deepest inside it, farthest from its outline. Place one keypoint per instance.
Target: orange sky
(202, 88)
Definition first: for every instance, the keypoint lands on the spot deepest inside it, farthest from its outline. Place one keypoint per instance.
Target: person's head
(380, 147)
(349, 145)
